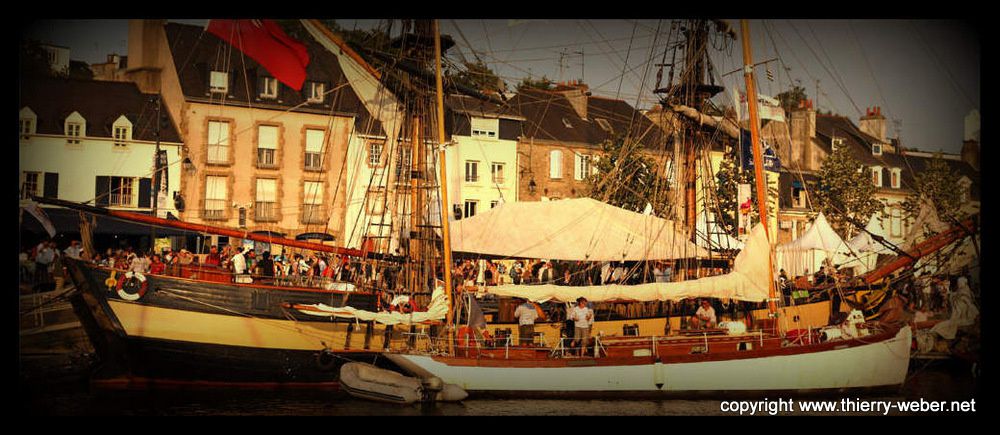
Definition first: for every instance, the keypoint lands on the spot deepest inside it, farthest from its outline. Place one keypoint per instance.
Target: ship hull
(184, 331)
(876, 363)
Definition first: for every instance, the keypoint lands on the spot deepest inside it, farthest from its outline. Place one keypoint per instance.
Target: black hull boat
(171, 331)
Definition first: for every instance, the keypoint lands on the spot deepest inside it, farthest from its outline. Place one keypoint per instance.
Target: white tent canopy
(748, 281)
(712, 236)
(805, 254)
(581, 229)
(865, 247)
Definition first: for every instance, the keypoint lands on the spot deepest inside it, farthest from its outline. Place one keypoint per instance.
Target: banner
(770, 156)
(767, 108)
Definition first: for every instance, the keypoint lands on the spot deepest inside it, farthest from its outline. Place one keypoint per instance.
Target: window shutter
(145, 192)
(555, 164)
(101, 191)
(577, 166)
(51, 185)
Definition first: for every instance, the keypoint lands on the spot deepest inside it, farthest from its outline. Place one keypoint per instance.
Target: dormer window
(836, 142)
(219, 82)
(604, 124)
(75, 128)
(877, 176)
(122, 131)
(876, 149)
(895, 174)
(566, 123)
(316, 92)
(269, 87)
(26, 126)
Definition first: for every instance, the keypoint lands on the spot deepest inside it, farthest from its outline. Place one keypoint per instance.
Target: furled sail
(436, 310)
(580, 229)
(748, 281)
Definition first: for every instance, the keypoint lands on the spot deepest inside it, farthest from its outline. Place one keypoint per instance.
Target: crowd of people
(471, 273)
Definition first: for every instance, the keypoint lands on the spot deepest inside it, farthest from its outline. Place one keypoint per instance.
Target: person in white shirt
(74, 250)
(239, 262)
(583, 318)
(704, 317)
(526, 315)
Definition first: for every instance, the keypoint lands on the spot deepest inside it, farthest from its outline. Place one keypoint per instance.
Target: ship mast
(445, 235)
(758, 164)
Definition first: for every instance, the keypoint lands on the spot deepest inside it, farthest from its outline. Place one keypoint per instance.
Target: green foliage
(625, 178)
(543, 83)
(727, 181)
(845, 191)
(790, 99)
(477, 75)
(940, 184)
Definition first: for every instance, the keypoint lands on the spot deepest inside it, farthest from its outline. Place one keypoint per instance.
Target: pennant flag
(266, 43)
(36, 211)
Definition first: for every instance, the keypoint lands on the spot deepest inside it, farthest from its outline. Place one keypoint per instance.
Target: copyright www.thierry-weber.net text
(884, 407)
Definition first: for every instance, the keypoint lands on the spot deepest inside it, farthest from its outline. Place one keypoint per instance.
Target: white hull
(880, 364)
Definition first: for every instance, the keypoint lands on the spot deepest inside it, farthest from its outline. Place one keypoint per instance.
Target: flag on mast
(266, 43)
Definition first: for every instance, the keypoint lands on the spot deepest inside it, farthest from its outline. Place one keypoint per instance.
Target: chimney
(970, 153)
(145, 39)
(873, 123)
(803, 130)
(576, 92)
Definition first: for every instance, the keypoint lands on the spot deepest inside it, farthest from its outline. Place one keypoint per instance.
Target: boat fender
(451, 393)
(111, 282)
(133, 287)
(326, 361)
(432, 383)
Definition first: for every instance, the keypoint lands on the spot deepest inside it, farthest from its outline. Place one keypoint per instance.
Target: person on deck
(74, 250)
(213, 258)
(157, 267)
(704, 317)
(239, 262)
(526, 315)
(583, 318)
(265, 267)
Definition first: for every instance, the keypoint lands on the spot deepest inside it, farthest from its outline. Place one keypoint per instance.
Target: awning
(315, 236)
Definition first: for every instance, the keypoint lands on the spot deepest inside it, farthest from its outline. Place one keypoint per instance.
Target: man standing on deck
(704, 316)
(583, 318)
(526, 315)
(239, 262)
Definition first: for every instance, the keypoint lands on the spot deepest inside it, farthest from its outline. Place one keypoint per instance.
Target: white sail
(437, 310)
(580, 229)
(748, 281)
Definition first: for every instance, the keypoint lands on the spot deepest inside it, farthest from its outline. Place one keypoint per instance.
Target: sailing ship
(852, 355)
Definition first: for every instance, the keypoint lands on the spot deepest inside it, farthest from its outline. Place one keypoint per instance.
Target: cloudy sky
(925, 74)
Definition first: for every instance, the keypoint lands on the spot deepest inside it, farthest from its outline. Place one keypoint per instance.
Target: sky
(924, 74)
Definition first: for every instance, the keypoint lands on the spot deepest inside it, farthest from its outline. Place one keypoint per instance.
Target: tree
(543, 83)
(790, 99)
(477, 75)
(845, 191)
(625, 178)
(727, 181)
(940, 185)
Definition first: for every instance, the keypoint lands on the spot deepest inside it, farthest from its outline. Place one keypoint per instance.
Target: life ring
(326, 360)
(133, 287)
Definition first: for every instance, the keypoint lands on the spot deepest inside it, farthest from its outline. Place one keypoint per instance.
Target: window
(836, 142)
(122, 192)
(312, 201)
(798, 195)
(266, 197)
(121, 136)
(218, 142)
(470, 208)
(896, 222)
(314, 150)
(375, 153)
(316, 92)
(482, 127)
(73, 131)
(26, 127)
(269, 87)
(876, 149)
(471, 171)
(555, 164)
(219, 82)
(496, 169)
(877, 176)
(215, 197)
(894, 177)
(494, 203)
(30, 185)
(581, 166)
(267, 146)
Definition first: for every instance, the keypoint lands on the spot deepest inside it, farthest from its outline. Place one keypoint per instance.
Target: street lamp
(188, 165)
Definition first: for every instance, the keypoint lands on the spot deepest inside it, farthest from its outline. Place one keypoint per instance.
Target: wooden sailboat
(867, 356)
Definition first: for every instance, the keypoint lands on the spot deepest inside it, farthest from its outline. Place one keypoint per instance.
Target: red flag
(266, 43)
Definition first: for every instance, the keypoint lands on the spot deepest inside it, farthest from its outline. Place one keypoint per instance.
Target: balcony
(265, 212)
(215, 209)
(313, 214)
(266, 158)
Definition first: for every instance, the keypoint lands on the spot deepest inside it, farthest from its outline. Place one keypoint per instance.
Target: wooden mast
(445, 234)
(758, 164)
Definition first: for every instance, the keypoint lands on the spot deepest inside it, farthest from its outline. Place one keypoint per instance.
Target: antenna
(583, 68)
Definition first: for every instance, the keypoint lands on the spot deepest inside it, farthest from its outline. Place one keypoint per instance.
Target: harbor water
(73, 396)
